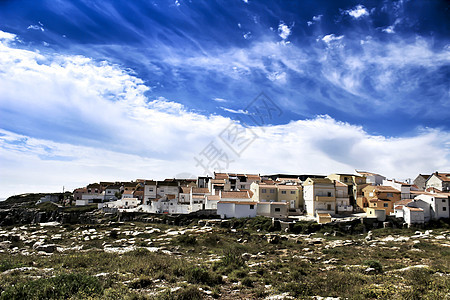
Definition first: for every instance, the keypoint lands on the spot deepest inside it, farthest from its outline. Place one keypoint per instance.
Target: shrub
(374, 264)
(247, 282)
(189, 293)
(187, 239)
(201, 275)
(141, 283)
(59, 287)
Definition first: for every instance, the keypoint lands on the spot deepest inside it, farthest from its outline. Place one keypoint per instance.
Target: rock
(246, 256)
(5, 245)
(50, 248)
(273, 239)
(370, 271)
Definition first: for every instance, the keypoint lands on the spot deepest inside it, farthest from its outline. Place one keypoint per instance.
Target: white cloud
(6, 36)
(239, 111)
(247, 35)
(284, 31)
(329, 38)
(36, 27)
(90, 121)
(317, 18)
(357, 12)
(220, 100)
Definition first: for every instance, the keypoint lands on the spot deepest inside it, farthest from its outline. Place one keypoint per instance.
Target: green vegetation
(158, 261)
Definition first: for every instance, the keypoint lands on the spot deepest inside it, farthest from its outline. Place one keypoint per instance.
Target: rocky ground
(212, 259)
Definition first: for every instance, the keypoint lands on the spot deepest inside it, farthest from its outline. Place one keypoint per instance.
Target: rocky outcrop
(16, 216)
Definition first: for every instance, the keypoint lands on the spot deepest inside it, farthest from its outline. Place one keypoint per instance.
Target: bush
(187, 239)
(141, 283)
(58, 287)
(374, 264)
(247, 282)
(201, 275)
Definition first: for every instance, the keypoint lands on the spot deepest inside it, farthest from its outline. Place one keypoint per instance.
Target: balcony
(325, 199)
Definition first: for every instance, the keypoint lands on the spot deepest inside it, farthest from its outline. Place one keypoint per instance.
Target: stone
(49, 248)
(370, 271)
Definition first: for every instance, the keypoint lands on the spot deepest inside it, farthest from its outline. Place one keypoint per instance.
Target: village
(279, 196)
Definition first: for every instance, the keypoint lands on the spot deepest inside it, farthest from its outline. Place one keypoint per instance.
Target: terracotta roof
(150, 182)
(239, 202)
(443, 176)
(368, 173)
(128, 192)
(80, 190)
(198, 196)
(237, 195)
(414, 208)
(221, 176)
(403, 202)
(268, 186)
(170, 197)
(253, 177)
(289, 179)
(338, 183)
(200, 190)
(283, 203)
(217, 180)
(213, 197)
(433, 190)
(424, 176)
(320, 180)
(398, 207)
(381, 188)
(288, 187)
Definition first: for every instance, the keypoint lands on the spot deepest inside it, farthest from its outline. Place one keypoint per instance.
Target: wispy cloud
(239, 111)
(357, 12)
(284, 31)
(220, 100)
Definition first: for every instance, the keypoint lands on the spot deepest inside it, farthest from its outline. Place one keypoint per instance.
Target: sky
(118, 90)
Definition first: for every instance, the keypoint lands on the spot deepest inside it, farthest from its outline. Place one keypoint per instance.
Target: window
(263, 191)
(345, 179)
(385, 205)
(371, 194)
(292, 192)
(162, 190)
(272, 191)
(329, 194)
(443, 200)
(242, 186)
(151, 189)
(277, 209)
(283, 192)
(389, 195)
(252, 206)
(444, 209)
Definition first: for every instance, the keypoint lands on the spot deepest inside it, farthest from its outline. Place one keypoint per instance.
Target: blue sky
(106, 90)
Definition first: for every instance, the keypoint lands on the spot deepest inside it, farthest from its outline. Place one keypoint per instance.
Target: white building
(372, 178)
(236, 209)
(438, 203)
(319, 196)
(404, 188)
(278, 210)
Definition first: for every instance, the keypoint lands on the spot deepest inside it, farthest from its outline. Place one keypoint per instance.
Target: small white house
(413, 215)
(83, 202)
(272, 209)
(236, 209)
(438, 204)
